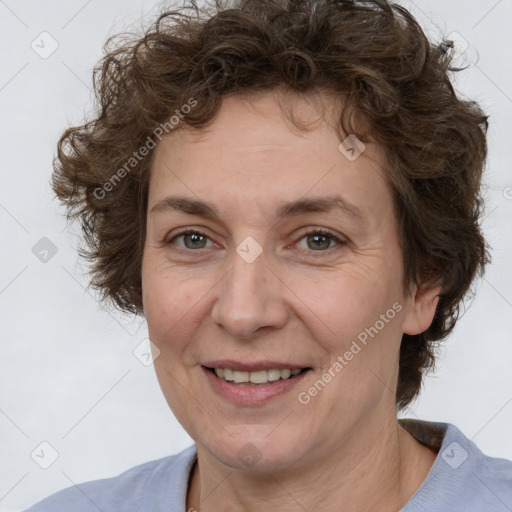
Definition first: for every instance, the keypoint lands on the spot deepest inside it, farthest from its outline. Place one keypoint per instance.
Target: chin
(255, 448)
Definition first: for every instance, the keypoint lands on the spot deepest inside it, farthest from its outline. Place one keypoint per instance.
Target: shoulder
(463, 478)
(491, 477)
(486, 479)
(130, 491)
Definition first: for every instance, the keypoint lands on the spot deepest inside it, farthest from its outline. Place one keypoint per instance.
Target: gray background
(68, 373)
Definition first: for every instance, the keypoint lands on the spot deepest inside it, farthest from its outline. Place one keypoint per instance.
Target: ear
(421, 310)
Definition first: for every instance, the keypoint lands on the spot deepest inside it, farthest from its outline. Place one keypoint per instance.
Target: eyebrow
(290, 209)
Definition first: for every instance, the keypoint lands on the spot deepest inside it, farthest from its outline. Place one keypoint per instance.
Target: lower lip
(250, 394)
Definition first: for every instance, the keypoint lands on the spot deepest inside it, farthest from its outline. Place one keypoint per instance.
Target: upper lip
(253, 366)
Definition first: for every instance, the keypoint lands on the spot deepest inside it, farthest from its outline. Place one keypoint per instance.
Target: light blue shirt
(462, 479)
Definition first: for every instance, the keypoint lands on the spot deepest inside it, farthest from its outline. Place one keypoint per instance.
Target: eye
(319, 240)
(192, 239)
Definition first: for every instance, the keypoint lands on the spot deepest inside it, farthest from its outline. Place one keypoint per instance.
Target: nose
(251, 298)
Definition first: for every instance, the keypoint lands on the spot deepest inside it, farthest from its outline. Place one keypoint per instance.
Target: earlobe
(421, 311)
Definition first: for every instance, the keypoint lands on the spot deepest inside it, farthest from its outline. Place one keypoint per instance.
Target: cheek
(177, 303)
(350, 314)
(169, 301)
(346, 300)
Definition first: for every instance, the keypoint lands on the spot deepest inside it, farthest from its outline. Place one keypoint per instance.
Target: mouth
(256, 378)
(251, 388)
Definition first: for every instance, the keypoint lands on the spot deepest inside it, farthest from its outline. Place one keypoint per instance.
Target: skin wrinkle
(285, 305)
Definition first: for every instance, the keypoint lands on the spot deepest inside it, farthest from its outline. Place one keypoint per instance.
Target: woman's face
(249, 286)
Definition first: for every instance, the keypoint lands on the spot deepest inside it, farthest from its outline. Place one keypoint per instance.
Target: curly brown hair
(372, 54)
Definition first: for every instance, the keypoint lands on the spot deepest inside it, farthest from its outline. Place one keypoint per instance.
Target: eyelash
(309, 232)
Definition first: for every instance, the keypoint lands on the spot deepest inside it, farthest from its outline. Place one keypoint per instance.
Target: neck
(376, 469)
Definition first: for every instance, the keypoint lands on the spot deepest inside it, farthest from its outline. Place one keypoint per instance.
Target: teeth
(274, 375)
(259, 377)
(241, 377)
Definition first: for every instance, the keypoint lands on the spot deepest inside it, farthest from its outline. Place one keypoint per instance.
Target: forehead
(252, 153)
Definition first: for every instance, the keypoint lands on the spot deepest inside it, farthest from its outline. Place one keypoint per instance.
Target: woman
(289, 193)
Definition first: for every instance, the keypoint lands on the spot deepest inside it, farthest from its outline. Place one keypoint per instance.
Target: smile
(253, 388)
(258, 377)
